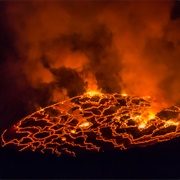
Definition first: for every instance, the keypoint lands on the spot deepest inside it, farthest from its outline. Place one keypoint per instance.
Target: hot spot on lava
(93, 122)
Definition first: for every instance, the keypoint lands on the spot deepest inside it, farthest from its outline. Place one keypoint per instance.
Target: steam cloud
(55, 50)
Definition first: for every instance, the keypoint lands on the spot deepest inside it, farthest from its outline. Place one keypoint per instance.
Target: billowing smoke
(52, 50)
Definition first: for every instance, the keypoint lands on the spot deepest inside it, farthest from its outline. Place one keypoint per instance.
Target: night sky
(26, 44)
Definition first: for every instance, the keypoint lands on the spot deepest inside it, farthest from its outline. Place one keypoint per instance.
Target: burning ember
(94, 122)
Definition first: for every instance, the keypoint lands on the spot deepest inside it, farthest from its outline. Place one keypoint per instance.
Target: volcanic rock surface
(93, 122)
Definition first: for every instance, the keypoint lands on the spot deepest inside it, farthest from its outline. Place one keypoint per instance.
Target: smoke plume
(52, 50)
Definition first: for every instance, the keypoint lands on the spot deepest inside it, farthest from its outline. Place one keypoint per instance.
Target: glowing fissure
(96, 122)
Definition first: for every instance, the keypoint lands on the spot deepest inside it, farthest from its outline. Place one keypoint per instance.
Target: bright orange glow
(124, 94)
(93, 93)
(73, 131)
(63, 139)
(94, 121)
(151, 116)
(84, 124)
(171, 122)
(142, 125)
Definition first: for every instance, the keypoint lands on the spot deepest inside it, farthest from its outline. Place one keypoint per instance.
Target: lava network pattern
(95, 122)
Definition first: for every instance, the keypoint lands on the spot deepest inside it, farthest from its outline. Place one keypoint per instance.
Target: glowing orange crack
(94, 122)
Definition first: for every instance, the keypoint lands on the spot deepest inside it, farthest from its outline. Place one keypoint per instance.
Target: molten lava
(94, 122)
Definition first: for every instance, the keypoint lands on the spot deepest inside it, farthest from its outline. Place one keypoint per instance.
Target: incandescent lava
(94, 122)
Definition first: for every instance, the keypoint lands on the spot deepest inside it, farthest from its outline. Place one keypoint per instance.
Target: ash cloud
(59, 49)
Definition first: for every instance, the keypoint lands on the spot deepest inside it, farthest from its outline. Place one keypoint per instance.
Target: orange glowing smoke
(112, 45)
(94, 122)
